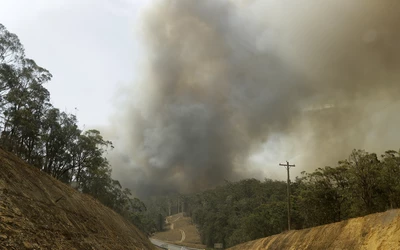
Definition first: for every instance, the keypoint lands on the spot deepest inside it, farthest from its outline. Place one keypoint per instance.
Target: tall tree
(364, 168)
(60, 134)
(12, 55)
(390, 176)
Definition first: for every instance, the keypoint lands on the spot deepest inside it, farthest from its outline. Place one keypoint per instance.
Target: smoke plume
(219, 79)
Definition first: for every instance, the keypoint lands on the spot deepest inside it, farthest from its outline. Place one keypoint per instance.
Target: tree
(321, 196)
(26, 105)
(365, 171)
(389, 181)
(12, 55)
(92, 167)
(23, 99)
(60, 134)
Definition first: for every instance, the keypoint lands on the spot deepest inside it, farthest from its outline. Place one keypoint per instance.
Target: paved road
(169, 246)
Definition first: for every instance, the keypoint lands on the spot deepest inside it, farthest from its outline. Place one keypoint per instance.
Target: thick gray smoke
(219, 78)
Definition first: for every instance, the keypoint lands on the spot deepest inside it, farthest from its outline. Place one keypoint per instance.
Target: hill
(375, 231)
(39, 212)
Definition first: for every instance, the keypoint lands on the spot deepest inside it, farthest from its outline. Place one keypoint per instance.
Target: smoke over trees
(220, 78)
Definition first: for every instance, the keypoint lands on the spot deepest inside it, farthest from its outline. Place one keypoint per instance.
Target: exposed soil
(39, 212)
(180, 230)
(379, 231)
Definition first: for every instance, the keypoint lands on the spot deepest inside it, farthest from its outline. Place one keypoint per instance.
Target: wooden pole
(288, 166)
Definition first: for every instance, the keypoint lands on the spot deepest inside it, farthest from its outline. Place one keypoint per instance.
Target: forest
(237, 212)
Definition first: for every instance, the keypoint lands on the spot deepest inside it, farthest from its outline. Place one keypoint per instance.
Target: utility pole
(169, 207)
(288, 166)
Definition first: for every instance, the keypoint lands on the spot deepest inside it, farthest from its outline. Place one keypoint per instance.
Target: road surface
(169, 246)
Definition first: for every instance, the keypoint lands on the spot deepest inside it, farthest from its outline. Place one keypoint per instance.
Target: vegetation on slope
(50, 139)
(250, 209)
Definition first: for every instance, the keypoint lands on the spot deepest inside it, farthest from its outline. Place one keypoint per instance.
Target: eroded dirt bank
(379, 231)
(39, 212)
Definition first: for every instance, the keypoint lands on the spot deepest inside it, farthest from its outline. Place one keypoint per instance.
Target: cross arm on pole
(287, 164)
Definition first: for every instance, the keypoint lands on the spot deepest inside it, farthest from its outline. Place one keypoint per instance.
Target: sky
(89, 46)
(93, 50)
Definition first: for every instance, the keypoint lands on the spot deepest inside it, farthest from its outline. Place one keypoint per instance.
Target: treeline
(250, 209)
(50, 139)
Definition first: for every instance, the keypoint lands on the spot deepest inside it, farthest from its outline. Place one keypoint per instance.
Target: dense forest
(51, 140)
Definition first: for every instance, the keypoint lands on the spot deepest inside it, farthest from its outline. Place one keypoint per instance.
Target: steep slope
(375, 231)
(39, 212)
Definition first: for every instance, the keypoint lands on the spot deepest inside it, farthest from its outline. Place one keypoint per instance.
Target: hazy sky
(88, 45)
(91, 47)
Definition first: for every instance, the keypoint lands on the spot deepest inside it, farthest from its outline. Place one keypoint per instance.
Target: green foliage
(320, 196)
(250, 209)
(238, 212)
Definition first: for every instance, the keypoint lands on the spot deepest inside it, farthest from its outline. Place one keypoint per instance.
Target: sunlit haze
(199, 92)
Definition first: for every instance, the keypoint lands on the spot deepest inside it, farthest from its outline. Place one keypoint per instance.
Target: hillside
(374, 232)
(39, 212)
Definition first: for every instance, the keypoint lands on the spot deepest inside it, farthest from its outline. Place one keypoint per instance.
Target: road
(169, 246)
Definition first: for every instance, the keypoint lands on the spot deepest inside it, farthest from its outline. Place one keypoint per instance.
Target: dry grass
(39, 212)
(376, 231)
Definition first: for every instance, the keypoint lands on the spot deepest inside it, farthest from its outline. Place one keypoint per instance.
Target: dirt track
(39, 212)
(373, 232)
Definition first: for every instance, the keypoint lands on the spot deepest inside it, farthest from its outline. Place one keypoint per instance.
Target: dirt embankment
(39, 212)
(373, 232)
